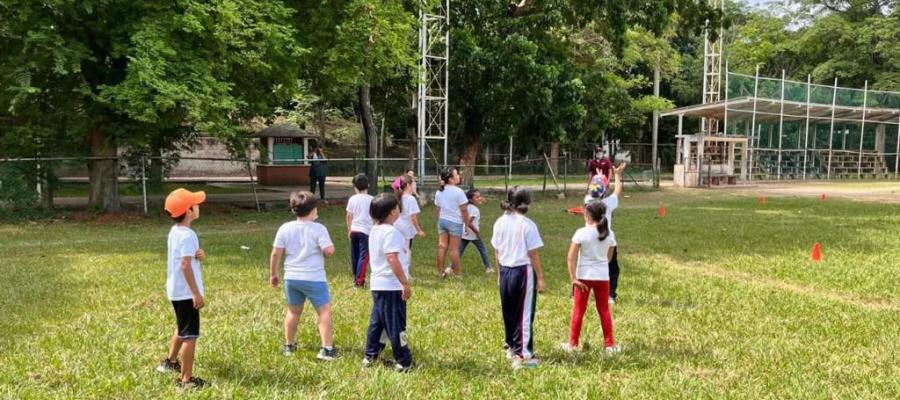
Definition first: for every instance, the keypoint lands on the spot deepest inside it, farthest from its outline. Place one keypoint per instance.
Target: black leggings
(614, 273)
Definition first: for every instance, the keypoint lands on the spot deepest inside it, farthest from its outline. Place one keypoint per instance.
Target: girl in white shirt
(452, 204)
(408, 223)
(516, 241)
(592, 246)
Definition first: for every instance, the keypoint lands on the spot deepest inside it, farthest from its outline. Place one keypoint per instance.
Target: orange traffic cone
(661, 213)
(816, 254)
(823, 197)
(762, 200)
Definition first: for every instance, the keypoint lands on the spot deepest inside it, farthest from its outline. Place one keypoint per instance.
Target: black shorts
(188, 319)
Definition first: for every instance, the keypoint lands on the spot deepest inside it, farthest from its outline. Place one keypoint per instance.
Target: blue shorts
(452, 228)
(297, 292)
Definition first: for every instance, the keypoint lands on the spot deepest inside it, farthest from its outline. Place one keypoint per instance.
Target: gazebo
(287, 146)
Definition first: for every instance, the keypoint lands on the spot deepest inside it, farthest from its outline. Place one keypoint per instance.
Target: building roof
(768, 110)
(283, 130)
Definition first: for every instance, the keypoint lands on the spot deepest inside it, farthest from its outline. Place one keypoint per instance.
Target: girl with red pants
(592, 246)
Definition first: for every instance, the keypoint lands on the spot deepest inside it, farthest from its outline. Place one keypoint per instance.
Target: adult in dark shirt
(599, 164)
(317, 172)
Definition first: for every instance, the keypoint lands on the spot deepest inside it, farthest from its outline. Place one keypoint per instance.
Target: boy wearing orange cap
(184, 285)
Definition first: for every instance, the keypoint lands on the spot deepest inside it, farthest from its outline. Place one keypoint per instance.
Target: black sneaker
(166, 366)
(327, 355)
(289, 349)
(193, 383)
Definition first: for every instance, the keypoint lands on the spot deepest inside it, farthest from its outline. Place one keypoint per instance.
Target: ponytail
(403, 181)
(517, 200)
(446, 175)
(603, 228)
(596, 211)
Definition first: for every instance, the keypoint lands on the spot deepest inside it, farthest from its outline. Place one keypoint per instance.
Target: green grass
(718, 300)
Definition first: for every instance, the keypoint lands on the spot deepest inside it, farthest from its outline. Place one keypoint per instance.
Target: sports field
(717, 300)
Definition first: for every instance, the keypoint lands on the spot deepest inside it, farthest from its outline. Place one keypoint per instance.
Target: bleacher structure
(778, 129)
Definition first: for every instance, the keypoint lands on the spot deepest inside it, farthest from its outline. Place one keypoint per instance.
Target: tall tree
(116, 66)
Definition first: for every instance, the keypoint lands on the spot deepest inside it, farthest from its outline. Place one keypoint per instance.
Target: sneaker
(367, 362)
(519, 362)
(568, 348)
(327, 355)
(289, 349)
(403, 369)
(612, 300)
(448, 271)
(193, 383)
(489, 271)
(166, 366)
(510, 354)
(612, 350)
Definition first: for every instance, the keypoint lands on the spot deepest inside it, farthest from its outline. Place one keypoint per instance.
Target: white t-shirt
(449, 201)
(385, 239)
(475, 216)
(303, 243)
(183, 242)
(358, 205)
(612, 202)
(592, 261)
(404, 223)
(514, 236)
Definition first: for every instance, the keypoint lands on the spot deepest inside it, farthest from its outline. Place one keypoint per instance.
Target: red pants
(601, 299)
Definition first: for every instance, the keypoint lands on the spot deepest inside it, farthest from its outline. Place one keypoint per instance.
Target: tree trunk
(320, 117)
(472, 146)
(155, 170)
(413, 148)
(554, 157)
(103, 174)
(368, 123)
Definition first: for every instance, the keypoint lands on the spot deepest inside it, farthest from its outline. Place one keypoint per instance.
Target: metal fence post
(144, 181)
(253, 185)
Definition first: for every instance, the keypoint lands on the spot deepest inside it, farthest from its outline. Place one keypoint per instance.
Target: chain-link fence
(142, 182)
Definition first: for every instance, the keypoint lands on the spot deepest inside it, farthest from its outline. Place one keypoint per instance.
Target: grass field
(717, 300)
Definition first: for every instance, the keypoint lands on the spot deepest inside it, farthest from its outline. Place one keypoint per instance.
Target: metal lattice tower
(712, 70)
(433, 90)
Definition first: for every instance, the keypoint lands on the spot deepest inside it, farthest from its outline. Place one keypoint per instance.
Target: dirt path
(875, 191)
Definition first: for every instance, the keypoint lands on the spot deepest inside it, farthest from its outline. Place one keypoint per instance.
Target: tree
(116, 67)
(357, 45)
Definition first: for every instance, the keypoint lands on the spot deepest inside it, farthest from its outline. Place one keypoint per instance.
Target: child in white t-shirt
(516, 241)
(389, 285)
(304, 244)
(358, 226)
(452, 210)
(588, 261)
(408, 223)
(473, 233)
(612, 203)
(184, 285)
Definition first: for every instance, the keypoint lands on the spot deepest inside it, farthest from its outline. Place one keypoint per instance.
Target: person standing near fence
(600, 164)
(317, 172)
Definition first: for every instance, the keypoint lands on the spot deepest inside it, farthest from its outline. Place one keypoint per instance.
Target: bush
(18, 198)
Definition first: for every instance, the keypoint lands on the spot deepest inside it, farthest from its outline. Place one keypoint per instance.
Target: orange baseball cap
(180, 200)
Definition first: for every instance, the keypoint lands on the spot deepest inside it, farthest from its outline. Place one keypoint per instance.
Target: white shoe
(568, 348)
(519, 362)
(448, 271)
(612, 350)
(489, 271)
(367, 362)
(509, 352)
(612, 300)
